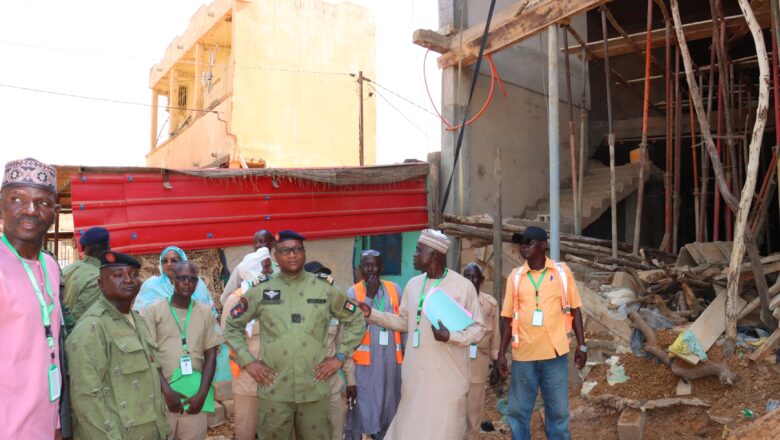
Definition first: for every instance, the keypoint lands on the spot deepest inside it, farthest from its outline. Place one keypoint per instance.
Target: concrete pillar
(197, 95)
(173, 101)
(153, 131)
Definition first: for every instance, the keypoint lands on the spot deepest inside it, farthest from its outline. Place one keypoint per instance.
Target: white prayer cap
(435, 240)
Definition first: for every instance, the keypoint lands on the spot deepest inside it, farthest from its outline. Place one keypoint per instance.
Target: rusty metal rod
(610, 138)
(643, 144)
(572, 142)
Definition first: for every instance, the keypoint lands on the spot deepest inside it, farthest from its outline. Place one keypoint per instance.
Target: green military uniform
(81, 285)
(114, 384)
(293, 313)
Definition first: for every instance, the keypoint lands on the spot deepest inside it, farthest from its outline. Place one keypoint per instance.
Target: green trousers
(278, 420)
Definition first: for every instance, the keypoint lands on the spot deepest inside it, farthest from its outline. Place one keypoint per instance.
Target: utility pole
(360, 79)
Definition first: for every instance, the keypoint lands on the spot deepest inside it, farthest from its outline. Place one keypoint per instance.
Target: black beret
(316, 267)
(531, 233)
(111, 259)
(289, 235)
(94, 235)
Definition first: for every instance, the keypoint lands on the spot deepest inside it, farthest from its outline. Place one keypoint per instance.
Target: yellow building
(266, 83)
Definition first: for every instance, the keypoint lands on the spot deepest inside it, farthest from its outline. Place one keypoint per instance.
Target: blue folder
(440, 306)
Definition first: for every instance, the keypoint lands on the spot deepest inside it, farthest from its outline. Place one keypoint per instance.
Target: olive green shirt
(293, 313)
(114, 383)
(81, 285)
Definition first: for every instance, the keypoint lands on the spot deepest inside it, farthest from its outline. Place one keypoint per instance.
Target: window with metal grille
(182, 101)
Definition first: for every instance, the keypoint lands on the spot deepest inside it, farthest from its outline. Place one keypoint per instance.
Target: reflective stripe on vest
(568, 318)
(362, 354)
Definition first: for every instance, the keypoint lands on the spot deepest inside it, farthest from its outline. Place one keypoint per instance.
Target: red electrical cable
(493, 77)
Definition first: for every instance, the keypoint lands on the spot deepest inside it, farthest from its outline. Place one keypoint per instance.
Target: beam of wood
(431, 40)
(693, 31)
(510, 26)
(760, 7)
(614, 73)
(634, 46)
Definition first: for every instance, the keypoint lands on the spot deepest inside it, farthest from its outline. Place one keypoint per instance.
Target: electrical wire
(93, 98)
(176, 61)
(402, 114)
(401, 97)
(493, 76)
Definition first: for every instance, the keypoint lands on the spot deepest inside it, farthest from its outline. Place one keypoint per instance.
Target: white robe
(436, 375)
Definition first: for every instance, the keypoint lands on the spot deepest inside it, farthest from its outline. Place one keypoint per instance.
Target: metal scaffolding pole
(554, 142)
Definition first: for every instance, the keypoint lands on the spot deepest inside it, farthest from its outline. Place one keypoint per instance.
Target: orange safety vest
(568, 318)
(362, 354)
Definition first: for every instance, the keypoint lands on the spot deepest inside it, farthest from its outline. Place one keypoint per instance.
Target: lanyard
(422, 296)
(537, 283)
(381, 304)
(45, 310)
(186, 323)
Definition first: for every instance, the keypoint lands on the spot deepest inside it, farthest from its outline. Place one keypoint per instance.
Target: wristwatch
(583, 348)
(341, 357)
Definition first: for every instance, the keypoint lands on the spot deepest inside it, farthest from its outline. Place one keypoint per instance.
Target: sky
(104, 49)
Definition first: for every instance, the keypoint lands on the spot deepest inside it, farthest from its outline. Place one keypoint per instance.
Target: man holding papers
(187, 342)
(436, 366)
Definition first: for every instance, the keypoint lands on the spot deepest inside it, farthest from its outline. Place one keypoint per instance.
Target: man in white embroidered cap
(30, 316)
(435, 373)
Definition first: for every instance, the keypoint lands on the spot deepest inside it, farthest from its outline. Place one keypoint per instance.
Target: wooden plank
(711, 323)
(693, 31)
(510, 26)
(769, 344)
(431, 40)
(596, 308)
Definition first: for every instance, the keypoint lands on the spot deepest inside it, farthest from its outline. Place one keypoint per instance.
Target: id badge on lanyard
(185, 363)
(538, 318)
(384, 337)
(473, 351)
(55, 383)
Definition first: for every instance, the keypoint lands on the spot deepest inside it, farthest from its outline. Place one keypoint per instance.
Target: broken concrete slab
(684, 388)
(631, 424)
(597, 308)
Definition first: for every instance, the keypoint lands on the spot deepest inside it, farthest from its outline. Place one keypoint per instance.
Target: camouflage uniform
(81, 285)
(294, 313)
(114, 384)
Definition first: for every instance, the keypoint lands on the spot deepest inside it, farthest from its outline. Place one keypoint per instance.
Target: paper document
(440, 306)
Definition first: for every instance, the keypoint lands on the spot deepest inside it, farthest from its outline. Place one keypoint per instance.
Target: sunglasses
(526, 242)
(288, 250)
(191, 278)
(170, 260)
(370, 253)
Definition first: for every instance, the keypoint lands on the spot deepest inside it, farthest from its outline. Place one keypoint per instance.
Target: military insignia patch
(325, 277)
(271, 296)
(350, 306)
(239, 309)
(316, 300)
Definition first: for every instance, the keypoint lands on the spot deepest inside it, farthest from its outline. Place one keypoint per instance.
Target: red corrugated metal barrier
(145, 212)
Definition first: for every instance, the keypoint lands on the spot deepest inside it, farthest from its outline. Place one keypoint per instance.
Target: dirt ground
(758, 383)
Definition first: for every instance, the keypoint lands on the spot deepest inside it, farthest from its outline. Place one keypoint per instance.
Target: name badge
(186, 365)
(538, 318)
(384, 337)
(473, 351)
(55, 384)
(416, 338)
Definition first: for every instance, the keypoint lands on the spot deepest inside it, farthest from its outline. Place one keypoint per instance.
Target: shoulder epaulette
(261, 279)
(325, 277)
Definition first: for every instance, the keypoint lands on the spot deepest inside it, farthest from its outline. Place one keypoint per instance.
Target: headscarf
(160, 287)
(252, 265)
